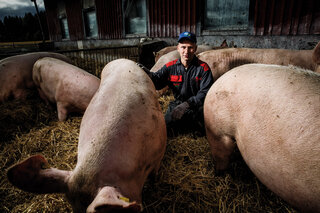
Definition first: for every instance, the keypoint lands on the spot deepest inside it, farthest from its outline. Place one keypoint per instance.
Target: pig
(65, 85)
(161, 62)
(271, 113)
(16, 74)
(122, 140)
(170, 56)
(316, 57)
(167, 56)
(223, 60)
(200, 49)
(163, 51)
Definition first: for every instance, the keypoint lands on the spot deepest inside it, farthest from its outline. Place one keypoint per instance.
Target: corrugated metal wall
(74, 17)
(168, 18)
(52, 20)
(109, 18)
(286, 17)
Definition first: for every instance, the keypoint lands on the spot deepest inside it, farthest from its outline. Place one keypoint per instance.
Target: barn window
(226, 14)
(63, 20)
(90, 22)
(90, 19)
(64, 28)
(135, 17)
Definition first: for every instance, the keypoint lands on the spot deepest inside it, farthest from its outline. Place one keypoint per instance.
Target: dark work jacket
(189, 85)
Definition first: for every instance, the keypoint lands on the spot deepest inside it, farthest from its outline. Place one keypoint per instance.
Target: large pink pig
(272, 113)
(64, 84)
(163, 51)
(16, 74)
(170, 56)
(200, 49)
(223, 60)
(122, 139)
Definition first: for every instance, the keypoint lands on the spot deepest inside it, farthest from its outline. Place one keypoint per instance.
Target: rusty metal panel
(168, 18)
(109, 18)
(278, 17)
(259, 17)
(315, 24)
(52, 20)
(297, 12)
(286, 17)
(306, 17)
(74, 17)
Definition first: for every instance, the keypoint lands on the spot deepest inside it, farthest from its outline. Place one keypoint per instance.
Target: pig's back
(273, 112)
(122, 116)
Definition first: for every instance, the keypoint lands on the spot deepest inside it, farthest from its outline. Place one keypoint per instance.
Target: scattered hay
(37, 131)
(164, 101)
(185, 182)
(18, 117)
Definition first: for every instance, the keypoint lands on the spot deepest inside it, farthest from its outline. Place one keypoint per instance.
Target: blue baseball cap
(188, 35)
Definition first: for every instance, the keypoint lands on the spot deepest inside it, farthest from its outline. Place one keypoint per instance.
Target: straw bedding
(185, 183)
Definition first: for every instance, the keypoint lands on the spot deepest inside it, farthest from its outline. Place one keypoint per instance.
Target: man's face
(186, 50)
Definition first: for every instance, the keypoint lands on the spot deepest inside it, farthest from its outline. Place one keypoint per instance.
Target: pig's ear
(316, 54)
(224, 43)
(109, 199)
(34, 175)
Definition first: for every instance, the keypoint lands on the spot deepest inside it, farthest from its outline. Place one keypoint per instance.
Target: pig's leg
(221, 149)
(157, 167)
(43, 96)
(20, 94)
(62, 111)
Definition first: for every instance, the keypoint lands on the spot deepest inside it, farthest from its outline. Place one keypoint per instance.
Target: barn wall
(52, 20)
(109, 19)
(168, 18)
(287, 17)
(74, 17)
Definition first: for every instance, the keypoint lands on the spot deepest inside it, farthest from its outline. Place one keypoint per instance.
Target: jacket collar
(193, 62)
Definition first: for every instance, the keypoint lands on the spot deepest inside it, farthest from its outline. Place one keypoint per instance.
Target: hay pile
(185, 183)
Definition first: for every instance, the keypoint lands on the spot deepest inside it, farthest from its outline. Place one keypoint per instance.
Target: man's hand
(144, 69)
(179, 110)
